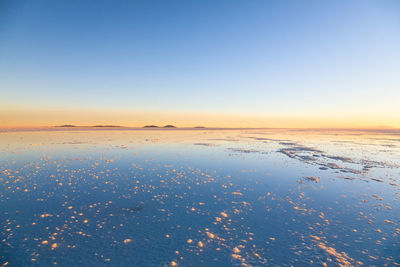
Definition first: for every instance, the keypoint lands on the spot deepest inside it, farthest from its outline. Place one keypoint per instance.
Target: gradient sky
(214, 63)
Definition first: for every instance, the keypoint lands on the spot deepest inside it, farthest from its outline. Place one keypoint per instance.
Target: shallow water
(200, 198)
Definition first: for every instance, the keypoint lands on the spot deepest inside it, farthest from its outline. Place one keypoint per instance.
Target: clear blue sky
(232, 57)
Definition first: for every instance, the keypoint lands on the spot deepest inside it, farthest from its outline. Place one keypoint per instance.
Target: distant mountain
(150, 126)
(66, 125)
(169, 126)
(199, 127)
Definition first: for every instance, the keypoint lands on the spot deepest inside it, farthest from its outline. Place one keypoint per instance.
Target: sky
(211, 63)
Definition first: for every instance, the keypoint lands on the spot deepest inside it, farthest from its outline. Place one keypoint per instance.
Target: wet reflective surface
(208, 198)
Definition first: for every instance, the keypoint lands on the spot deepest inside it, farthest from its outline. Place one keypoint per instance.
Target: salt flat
(203, 197)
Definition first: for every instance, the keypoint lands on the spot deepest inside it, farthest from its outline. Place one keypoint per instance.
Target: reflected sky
(190, 198)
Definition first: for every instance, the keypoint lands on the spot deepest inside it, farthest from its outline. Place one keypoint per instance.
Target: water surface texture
(200, 198)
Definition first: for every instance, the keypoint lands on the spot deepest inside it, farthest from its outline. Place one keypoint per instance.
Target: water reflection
(212, 198)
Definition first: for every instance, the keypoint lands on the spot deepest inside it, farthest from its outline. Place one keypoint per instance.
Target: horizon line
(172, 127)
